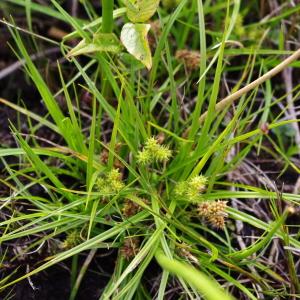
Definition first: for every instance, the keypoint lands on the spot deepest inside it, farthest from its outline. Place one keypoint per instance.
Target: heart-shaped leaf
(101, 42)
(134, 38)
(141, 10)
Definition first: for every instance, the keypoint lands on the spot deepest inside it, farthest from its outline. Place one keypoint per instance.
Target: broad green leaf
(134, 38)
(141, 10)
(101, 42)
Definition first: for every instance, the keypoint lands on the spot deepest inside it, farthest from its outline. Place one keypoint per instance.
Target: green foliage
(139, 11)
(132, 161)
(133, 35)
(107, 42)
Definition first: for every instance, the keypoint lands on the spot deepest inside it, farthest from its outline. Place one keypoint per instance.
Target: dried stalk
(231, 98)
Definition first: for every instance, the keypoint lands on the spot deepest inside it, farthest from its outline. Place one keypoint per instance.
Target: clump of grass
(160, 135)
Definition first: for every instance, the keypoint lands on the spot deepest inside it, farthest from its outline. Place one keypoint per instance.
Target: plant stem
(107, 27)
(107, 16)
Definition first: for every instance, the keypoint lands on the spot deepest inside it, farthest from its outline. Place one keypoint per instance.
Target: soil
(54, 284)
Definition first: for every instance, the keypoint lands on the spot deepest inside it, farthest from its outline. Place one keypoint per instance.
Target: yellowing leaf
(134, 38)
(101, 42)
(141, 10)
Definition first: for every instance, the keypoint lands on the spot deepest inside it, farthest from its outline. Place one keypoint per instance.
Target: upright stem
(107, 27)
(107, 16)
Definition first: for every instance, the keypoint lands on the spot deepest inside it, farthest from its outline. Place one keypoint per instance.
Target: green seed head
(198, 183)
(163, 153)
(144, 157)
(111, 183)
(191, 189)
(153, 152)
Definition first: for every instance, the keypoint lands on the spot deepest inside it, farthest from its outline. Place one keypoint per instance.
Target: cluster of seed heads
(213, 212)
(191, 189)
(131, 208)
(111, 183)
(153, 152)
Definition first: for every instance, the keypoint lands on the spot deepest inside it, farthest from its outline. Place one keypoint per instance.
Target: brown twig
(231, 98)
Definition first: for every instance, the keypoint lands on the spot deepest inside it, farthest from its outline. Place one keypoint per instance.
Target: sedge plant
(148, 171)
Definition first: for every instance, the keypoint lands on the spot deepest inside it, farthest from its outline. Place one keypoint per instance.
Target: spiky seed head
(163, 153)
(130, 208)
(153, 151)
(214, 212)
(152, 144)
(180, 188)
(117, 185)
(144, 157)
(114, 175)
(217, 221)
(101, 184)
(191, 188)
(198, 183)
(130, 247)
(217, 207)
(73, 239)
(111, 183)
(212, 208)
(203, 209)
(192, 194)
